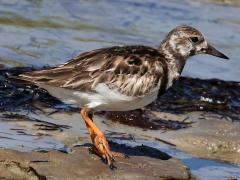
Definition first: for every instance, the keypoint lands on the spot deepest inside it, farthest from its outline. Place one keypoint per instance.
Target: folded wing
(131, 70)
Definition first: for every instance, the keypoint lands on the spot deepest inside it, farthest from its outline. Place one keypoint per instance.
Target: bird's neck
(174, 58)
(175, 61)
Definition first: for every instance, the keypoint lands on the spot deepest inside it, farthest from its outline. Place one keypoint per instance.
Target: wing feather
(132, 70)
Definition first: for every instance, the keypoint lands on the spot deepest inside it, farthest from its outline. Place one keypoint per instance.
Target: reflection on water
(42, 32)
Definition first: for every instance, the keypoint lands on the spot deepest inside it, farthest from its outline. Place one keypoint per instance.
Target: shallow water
(27, 142)
(42, 32)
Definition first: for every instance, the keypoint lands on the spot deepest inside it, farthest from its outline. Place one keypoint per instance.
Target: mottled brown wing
(63, 74)
(132, 70)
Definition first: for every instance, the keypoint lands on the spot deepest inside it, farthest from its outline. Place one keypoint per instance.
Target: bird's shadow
(134, 151)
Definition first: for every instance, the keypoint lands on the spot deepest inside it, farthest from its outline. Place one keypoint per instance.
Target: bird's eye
(194, 39)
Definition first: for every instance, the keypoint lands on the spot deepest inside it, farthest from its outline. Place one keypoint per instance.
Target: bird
(120, 78)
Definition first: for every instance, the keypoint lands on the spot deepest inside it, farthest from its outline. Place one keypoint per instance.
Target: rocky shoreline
(79, 164)
(41, 138)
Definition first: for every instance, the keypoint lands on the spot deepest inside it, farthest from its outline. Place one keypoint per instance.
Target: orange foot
(100, 143)
(102, 149)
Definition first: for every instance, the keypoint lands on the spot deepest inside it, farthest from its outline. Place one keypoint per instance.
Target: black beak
(212, 51)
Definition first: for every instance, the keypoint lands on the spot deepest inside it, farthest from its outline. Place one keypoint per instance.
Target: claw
(113, 159)
(90, 150)
(112, 167)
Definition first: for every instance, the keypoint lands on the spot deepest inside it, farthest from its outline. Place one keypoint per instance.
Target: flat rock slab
(79, 164)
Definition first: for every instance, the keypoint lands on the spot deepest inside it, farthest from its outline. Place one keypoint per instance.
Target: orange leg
(100, 144)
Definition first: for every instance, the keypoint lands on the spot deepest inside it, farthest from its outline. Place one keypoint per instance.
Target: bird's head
(186, 41)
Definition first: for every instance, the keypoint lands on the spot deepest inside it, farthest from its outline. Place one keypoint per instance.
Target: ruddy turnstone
(120, 78)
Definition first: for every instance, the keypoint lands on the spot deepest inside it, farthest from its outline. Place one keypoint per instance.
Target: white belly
(104, 99)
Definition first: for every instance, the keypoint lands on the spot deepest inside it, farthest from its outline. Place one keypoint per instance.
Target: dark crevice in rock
(21, 171)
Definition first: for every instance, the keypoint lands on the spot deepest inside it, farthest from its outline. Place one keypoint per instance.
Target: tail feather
(19, 80)
(32, 77)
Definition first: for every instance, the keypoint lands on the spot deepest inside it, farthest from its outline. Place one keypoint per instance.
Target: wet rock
(211, 137)
(16, 170)
(81, 165)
